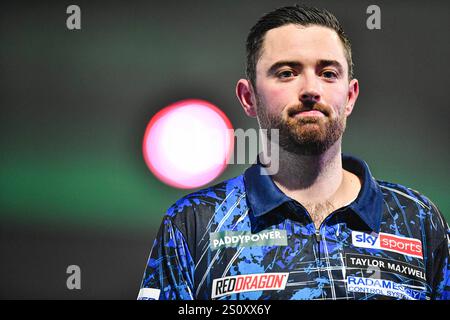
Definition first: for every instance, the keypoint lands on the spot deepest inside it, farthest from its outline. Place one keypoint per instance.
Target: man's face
(302, 87)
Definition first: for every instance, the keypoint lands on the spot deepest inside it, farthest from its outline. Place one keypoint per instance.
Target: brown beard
(303, 135)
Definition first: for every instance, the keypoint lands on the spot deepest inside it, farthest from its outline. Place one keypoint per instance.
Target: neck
(311, 179)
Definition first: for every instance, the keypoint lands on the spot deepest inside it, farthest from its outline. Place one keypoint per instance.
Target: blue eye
(285, 74)
(329, 74)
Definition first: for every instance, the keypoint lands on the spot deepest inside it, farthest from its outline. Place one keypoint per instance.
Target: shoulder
(193, 214)
(416, 204)
(207, 199)
(406, 194)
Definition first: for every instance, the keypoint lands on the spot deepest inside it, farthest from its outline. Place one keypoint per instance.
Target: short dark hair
(299, 15)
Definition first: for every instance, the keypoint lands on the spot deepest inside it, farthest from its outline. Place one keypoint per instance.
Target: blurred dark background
(74, 188)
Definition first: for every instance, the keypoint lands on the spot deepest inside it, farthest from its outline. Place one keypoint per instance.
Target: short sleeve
(440, 259)
(441, 270)
(169, 272)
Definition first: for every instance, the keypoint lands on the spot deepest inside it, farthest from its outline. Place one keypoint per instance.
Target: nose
(310, 96)
(310, 91)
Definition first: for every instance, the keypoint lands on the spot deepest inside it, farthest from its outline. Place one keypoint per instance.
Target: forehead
(303, 44)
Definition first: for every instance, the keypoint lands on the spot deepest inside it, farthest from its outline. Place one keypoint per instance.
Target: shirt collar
(263, 195)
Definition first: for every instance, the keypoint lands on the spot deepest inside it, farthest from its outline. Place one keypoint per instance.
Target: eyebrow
(296, 65)
(277, 65)
(331, 63)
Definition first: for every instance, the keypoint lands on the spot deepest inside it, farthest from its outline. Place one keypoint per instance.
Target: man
(319, 227)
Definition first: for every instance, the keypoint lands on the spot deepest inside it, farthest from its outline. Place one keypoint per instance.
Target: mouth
(309, 110)
(309, 113)
(314, 113)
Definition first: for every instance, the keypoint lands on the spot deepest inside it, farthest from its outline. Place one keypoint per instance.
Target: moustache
(308, 107)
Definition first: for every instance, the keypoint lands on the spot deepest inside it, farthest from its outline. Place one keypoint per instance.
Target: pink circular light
(188, 143)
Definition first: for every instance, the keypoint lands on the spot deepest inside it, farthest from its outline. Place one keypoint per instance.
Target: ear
(246, 96)
(352, 96)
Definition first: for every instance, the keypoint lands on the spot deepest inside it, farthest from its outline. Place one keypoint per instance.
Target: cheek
(274, 98)
(338, 100)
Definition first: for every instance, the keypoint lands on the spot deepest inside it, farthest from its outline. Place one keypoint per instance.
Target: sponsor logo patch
(387, 265)
(148, 294)
(384, 241)
(383, 287)
(229, 239)
(248, 282)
